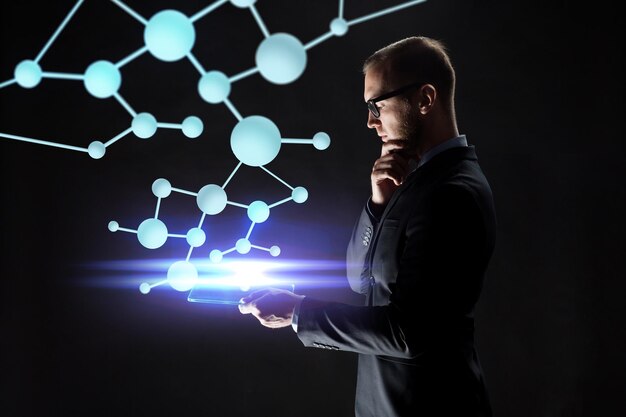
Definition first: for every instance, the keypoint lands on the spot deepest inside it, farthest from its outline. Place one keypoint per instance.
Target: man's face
(398, 118)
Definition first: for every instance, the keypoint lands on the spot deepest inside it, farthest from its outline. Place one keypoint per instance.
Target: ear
(426, 97)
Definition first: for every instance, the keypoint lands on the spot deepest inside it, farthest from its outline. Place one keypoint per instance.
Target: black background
(540, 93)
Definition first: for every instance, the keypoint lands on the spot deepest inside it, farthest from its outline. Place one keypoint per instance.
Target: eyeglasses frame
(371, 103)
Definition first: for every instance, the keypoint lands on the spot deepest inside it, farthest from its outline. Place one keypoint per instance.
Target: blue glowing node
(339, 27)
(196, 237)
(258, 212)
(212, 199)
(243, 3)
(243, 246)
(28, 74)
(216, 256)
(299, 195)
(274, 251)
(161, 188)
(182, 276)
(192, 127)
(102, 79)
(169, 35)
(114, 226)
(281, 58)
(152, 233)
(321, 141)
(144, 125)
(255, 141)
(144, 288)
(214, 87)
(96, 149)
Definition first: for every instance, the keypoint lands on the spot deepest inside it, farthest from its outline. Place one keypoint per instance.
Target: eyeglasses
(371, 103)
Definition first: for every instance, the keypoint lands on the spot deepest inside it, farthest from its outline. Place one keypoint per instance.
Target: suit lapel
(437, 164)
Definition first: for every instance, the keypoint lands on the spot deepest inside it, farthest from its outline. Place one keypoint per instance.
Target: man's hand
(272, 307)
(390, 170)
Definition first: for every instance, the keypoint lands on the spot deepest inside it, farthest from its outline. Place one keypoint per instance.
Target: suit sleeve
(357, 249)
(433, 292)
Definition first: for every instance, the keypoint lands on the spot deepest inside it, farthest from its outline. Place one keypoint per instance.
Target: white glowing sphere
(243, 246)
(211, 199)
(161, 188)
(144, 125)
(299, 195)
(96, 149)
(281, 58)
(255, 141)
(102, 79)
(152, 233)
(196, 237)
(258, 211)
(169, 35)
(28, 74)
(214, 87)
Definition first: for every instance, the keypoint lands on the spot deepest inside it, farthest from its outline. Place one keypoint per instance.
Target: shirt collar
(455, 142)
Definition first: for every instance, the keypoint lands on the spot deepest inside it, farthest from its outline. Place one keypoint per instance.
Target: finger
(247, 308)
(389, 170)
(380, 175)
(394, 145)
(395, 160)
(254, 295)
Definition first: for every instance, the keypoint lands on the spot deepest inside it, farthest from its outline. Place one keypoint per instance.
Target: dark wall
(540, 94)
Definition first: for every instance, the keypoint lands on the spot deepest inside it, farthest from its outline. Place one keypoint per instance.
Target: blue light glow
(226, 276)
(182, 276)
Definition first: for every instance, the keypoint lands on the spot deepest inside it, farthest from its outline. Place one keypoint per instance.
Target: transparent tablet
(222, 294)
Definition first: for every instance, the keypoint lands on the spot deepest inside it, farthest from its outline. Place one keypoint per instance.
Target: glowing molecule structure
(212, 199)
(103, 79)
(170, 35)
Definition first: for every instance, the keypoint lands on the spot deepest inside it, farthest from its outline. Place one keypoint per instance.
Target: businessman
(418, 252)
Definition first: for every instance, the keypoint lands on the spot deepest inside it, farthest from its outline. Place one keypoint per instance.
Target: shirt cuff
(296, 313)
(368, 207)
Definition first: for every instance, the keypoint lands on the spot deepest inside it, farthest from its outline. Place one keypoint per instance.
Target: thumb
(245, 308)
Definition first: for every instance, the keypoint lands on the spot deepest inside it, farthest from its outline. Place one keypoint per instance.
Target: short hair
(421, 59)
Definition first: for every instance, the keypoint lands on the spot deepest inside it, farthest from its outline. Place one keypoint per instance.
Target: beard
(410, 126)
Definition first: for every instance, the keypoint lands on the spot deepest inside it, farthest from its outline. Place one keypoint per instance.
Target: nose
(372, 122)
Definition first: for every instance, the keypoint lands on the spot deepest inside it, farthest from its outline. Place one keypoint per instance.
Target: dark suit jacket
(421, 268)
